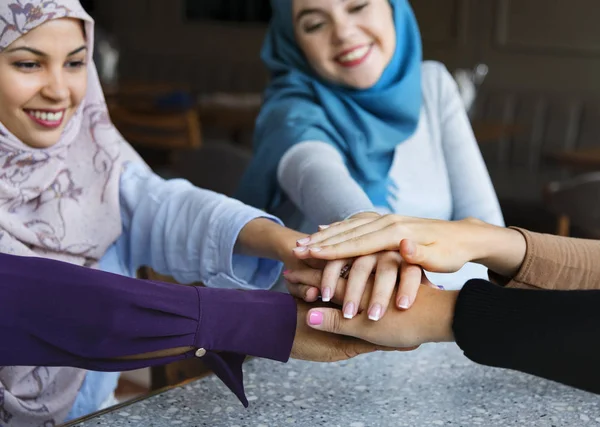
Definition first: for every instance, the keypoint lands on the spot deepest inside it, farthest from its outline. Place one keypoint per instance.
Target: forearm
(560, 263)
(264, 238)
(537, 260)
(58, 314)
(544, 333)
(435, 323)
(189, 233)
(313, 175)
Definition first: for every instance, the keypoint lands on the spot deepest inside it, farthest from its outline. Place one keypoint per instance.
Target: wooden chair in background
(156, 118)
(155, 128)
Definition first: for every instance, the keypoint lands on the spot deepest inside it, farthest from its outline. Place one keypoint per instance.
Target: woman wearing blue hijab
(354, 124)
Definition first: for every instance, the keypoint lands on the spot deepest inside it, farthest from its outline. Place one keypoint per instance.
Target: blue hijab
(365, 125)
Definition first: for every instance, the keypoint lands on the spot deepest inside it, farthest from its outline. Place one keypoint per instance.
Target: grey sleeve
(313, 175)
(473, 193)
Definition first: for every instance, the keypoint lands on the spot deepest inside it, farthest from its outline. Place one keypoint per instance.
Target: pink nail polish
(286, 272)
(300, 250)
(316, 249)
(315, 318)
(304, 241)
(326, 295)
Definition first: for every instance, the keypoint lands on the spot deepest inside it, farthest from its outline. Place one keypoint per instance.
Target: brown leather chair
(576, 202)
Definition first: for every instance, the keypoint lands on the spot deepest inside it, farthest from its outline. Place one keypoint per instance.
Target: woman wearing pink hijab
(71, 189)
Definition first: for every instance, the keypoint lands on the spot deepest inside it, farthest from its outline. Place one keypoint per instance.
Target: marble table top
(435, 385)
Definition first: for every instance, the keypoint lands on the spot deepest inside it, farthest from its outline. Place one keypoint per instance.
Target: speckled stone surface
(433, 386)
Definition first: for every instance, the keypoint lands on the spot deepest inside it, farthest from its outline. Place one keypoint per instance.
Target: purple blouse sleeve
(58, 314)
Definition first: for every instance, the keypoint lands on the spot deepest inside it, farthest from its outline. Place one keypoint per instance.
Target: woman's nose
(56, 87)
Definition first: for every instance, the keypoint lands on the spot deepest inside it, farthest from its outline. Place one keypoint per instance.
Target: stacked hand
(393, 274)
(365, 293)
(320, 344)
(377, 250)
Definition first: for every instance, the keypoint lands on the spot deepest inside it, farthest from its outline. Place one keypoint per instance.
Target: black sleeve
(551, 334)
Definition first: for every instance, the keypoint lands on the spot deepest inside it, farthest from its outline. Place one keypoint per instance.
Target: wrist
(284, 241)
(477, 238)
(365, 214)
(502, 250)
(263, 237)
(438, 327)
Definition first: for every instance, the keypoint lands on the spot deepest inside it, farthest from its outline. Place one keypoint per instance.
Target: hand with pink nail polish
(391, 273)
(379, 275)
(319, 346)
(429, 320)
(384, 266)
(385, 276)
(364, 302)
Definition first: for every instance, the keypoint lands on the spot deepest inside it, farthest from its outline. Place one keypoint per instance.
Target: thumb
(420, 255)
(332, 320)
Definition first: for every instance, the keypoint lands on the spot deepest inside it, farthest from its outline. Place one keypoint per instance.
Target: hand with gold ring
(389, 271)
(387, 268)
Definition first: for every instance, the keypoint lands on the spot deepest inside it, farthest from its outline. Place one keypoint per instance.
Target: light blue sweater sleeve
(186, 232)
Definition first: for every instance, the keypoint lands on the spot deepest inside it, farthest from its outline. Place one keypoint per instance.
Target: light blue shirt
(181, 231)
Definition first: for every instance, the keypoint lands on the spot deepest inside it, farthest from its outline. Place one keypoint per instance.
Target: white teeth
(355, 54)
(46, 116)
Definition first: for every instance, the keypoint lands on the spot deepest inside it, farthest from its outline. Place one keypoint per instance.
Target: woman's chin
(46, 141)
(362, 82)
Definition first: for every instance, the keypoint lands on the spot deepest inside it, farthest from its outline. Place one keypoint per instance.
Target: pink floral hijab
(61, 202)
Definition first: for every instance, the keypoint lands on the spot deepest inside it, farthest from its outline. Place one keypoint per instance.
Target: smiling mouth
(354, 57)
(47, 118)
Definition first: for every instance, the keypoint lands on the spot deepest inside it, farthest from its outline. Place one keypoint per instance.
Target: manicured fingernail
(315, 318)
(300, 249)
(326, 294)
(286, 272)
(316, 249)
(323, 227)
(304, 241)
(375, 312)
(441, 287)
(349, 310)
(404, 302)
